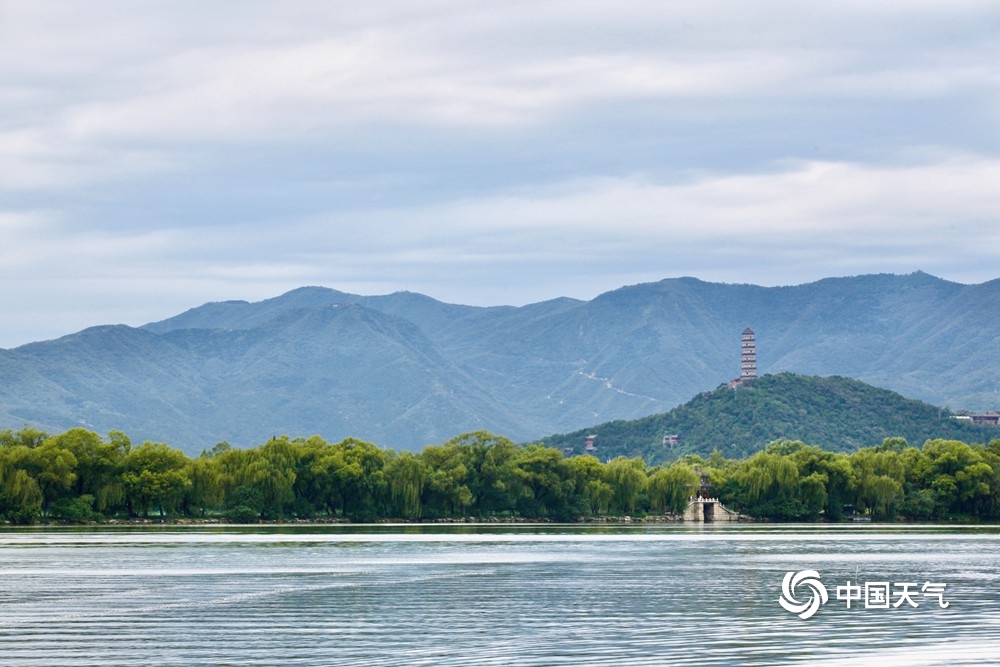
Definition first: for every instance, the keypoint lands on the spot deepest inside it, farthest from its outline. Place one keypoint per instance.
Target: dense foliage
(79, 476)
(835, 413)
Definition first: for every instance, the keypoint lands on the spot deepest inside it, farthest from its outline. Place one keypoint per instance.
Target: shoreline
(466, 521)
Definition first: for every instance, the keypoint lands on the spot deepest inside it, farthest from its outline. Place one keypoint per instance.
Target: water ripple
(531, 596)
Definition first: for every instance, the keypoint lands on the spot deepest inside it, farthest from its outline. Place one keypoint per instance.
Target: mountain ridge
(406, 370)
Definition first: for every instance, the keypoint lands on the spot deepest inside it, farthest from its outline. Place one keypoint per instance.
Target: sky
(157, 156)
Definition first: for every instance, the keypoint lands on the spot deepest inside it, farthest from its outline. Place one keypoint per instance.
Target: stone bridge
(706, 510)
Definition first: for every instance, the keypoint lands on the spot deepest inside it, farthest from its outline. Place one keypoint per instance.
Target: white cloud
(485, 152)
(111, 84)
(314, 88)
(803, 205)
(804, 199)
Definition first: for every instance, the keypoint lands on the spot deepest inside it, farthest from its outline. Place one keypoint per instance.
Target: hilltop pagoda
(748, 359)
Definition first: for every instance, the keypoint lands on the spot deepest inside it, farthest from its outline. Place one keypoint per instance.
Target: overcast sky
(155, 156)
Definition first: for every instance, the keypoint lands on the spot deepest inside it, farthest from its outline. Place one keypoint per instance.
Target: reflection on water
(489, 595)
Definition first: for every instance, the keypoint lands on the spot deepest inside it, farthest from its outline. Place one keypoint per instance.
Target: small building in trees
(983, 419)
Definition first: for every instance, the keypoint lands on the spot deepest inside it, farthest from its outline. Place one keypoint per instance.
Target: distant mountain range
(836, 413)
(405, 370)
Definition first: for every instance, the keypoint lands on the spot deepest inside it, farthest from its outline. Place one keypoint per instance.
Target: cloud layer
(155, 157)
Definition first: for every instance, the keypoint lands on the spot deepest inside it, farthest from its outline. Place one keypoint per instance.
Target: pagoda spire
(748, 356)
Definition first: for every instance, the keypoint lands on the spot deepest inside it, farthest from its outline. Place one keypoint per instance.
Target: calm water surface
(490, 595)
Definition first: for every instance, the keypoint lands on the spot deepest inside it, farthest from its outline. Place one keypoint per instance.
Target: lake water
(492, 595)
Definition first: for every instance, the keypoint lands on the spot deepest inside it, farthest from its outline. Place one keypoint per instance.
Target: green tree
(591, 488)
(878, 480)
(54, 469)
(669, 488)
(769, 487)
(895, 444)
(155, 476)
(492, 479)
(406, 475)
(28, 436)
(316, 489)
(959, 476)
(270, 471)
(20, 496)
(628, 479)
(446, 492)
(206, 490)
(365, 492)
(99, 465)
(825, 482)
(547, 482)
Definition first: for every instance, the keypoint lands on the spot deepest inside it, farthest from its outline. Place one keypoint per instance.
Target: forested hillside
(835, 413)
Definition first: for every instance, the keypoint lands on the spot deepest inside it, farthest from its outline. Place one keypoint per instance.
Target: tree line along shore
(80, 477)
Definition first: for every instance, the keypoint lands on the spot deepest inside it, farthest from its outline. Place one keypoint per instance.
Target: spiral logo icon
(808, 578)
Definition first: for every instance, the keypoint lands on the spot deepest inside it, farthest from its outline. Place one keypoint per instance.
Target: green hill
(836, 413)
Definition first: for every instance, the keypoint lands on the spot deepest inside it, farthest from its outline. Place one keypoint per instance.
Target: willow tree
(879, 474)
(628, 479)
(591, 487)
(406, 476)
(20, 496)
(669, 488)
(768, 486)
